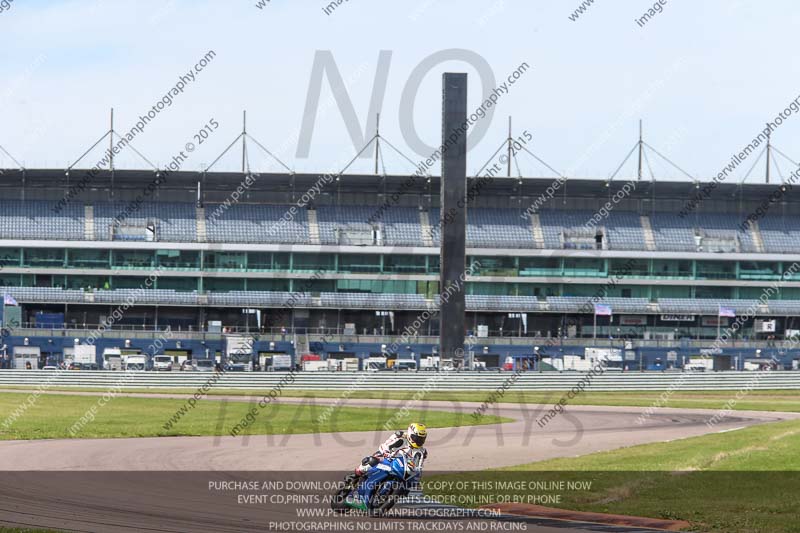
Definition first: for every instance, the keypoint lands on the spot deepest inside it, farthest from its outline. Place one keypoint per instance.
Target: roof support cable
(760, 155)
(540, 160)
(502, 146)
(665, 158)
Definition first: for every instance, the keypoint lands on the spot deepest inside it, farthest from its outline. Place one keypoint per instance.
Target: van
(162, 362)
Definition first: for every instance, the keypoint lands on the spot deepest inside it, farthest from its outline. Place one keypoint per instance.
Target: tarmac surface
(167, 483)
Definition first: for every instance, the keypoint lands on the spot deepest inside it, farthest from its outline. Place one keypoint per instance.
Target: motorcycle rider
(410, 442)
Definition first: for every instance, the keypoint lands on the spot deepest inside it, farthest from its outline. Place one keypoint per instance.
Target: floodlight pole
(510, 140)
(244, 136)
(769, 152)
(641, 147)
(377, 140)
(111, 141)
(111, 152)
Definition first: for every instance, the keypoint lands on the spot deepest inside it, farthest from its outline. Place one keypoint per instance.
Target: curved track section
(165, 484)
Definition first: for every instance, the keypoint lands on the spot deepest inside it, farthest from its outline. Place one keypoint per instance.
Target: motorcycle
(377, 492)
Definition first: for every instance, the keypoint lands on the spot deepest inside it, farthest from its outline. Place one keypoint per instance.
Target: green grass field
(52, 415)
(757, 400)
(740, 481)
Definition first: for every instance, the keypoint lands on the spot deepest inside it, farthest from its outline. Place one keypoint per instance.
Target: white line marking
(729, 430)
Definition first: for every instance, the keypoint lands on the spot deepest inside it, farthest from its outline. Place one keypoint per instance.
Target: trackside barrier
(409, 380)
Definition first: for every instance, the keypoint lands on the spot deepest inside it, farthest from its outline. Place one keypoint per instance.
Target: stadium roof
(129, 180)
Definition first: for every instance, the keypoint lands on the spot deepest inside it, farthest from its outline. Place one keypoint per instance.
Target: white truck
(405, 364)
(162, 362)
(239, 353)
(375, 363)
(136, 363)
(85, 354)
(315, 366)
(281, 362)
(112, 359)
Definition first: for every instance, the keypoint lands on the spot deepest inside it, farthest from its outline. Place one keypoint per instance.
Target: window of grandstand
(133, 232)
(355, 235)
(405, 264)
(716, 243)
(359, 263)
(539, 266)
(582, 239)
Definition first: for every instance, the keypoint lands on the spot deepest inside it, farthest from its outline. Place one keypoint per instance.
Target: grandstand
(334, 279)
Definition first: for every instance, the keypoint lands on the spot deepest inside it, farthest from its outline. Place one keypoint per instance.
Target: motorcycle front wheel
(337, 501)
(384, 499)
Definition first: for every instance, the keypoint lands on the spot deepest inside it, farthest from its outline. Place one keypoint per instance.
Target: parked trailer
(281, 362)
(315, 366)
(85, 354)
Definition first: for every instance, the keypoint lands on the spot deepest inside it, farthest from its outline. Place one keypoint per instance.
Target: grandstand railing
(384, 381)
(334, 336)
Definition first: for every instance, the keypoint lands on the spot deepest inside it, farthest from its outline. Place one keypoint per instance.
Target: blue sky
(704, 76)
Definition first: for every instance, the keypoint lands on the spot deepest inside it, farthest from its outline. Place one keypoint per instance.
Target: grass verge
(739, 481)
(757, 400)
(51, 417)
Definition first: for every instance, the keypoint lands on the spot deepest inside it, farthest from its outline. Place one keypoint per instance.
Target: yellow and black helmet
(416, 434)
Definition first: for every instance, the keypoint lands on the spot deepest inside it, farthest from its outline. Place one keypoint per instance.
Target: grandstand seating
(39, 220)
(704, 306)
(250, 223)
(398, 225)
(44, 294)
(491, 228)
(583, 304)
(147, 296)
(673, 233)
(351, 300)
(257, 298)
(477, 302)
(353, 218)
(780, 234)
(388, 301)
(173, 222)
(623, 230)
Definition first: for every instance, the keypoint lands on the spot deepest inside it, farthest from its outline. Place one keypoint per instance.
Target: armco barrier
(609, 381)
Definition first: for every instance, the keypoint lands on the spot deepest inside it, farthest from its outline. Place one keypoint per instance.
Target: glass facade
(55, 266)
